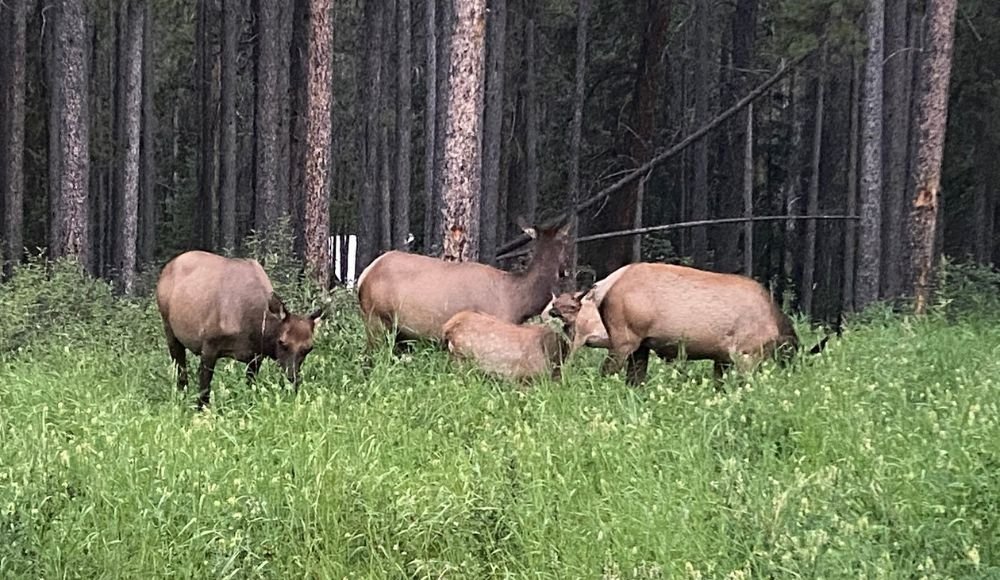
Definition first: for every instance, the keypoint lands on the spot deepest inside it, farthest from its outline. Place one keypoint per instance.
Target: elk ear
(529, 230)
(276, 306)
(317, 316)
(564, 231)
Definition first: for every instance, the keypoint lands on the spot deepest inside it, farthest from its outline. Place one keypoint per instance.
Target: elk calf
(220, 307)
(514, 351)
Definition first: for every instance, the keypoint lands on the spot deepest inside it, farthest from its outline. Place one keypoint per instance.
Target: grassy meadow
(879, 458)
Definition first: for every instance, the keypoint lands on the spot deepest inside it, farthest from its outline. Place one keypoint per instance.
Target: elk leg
(638, 362)
(206, 372)
(179, 356)
(720, 369)
(253, 367)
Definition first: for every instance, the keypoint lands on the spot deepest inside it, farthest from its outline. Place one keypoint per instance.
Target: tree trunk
(493, 128)
(430, 123)
(404, 129)
(318, 135)
(147, 190)
(985, 198)
(895, 145)
(748, 195)
(869, 256)
(530, 207)
(269, 105)
(368, 239)
(812, 205)
(227, 122)
(12, 135)
(130, 109)
(699, 201)
(935, 75)
(793, 181)
(576, 127)
(623, 213)
(69, 235)
(463, 136)
(850, 228)
(297, 139)
(206, 165)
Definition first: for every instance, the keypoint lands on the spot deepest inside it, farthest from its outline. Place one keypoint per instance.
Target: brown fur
(587, 329)
(419, 294)
(220, 307)
(513, 351)
(725, 318)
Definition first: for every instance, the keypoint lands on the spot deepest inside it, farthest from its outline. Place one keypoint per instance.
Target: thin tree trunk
(404, 129)
(463, 136)
(297, 142)
(793, 181)
(530, 207)
(69, 234)
(387, 114)
(318, 135)
(576, 126)
(812, 205)
(935, 75)
(870, 266)
(227, 145)
(130, 110)
(12, 136)
(148, 200)
(895, 145)
(446, 15)
(430, 122)
(268, 117)
(850, 231)
(699, 202)
(368, 239)
(748, 195)
(493, 128)
(384, 186)
(206, 164)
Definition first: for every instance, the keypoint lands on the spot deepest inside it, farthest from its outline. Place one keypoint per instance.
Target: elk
(413, 296)
(726, 318)
(220, 307)
(520, 352)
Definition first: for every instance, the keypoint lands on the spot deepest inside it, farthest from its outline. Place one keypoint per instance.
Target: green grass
(878, 459)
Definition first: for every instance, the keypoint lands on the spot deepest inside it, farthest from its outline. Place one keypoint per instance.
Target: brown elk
(220, 307)
(726, 318)
(514, 351)
(416, 295)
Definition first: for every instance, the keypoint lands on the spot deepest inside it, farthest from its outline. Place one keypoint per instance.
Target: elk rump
(416, 295)
(220, 307)
(514, 351)
(727, 318)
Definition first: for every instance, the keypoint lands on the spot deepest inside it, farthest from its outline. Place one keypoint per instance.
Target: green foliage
(965, 289)
(877, 459)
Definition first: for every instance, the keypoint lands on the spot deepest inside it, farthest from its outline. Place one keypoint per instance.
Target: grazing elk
(220, 307)
(514, 351)
(416, 295)
(588, 328)
(726, 318)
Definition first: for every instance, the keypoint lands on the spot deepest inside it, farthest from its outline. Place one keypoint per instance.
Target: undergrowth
(879, 458)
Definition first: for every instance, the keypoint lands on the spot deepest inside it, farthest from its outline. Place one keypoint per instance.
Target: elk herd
(218, 307)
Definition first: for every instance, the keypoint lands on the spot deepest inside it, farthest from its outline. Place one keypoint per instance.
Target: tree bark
(463, 136)
(206, 145)
(493, 128)
(793, 181)
(269, 106)
(812, 205)
(530, 207)
(897, 87)
(576, 126)
(386, 121)
(298, 119)
(227, 146)
(935, 75)
(699, 201)
(850, 228)
(430, 122)
(69, 235)
(869, 255)
(12, 135)
(130, 109)
(318, 135)
(748, 195)
(147, 191)
(368, 239)
(404, 128)
(446, 16)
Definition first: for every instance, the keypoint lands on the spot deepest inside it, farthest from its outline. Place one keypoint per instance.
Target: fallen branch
(638, 172)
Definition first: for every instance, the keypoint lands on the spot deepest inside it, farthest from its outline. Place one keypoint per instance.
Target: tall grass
(879, 458)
